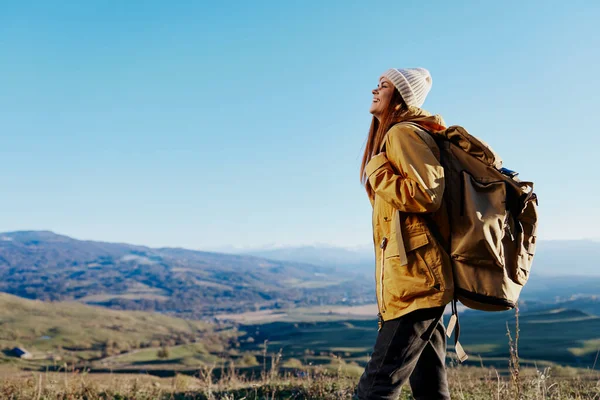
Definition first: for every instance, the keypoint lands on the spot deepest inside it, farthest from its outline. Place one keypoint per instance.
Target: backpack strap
(423, 134)
(429, 141)
(453, 323)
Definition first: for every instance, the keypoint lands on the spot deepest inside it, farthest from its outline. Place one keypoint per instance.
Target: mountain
(567, 257)
(358, 260)
(589, 304)
(560, 288)
(562, 269)
(552, 257)
(44, 265)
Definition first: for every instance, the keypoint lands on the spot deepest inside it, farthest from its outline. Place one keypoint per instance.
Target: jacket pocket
(417, 247)
(413, 241)
(415, 278)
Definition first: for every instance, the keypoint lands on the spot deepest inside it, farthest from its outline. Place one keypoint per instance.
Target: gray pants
(413, 348)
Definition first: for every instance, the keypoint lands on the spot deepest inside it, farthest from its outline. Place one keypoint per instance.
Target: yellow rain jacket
(412, 269)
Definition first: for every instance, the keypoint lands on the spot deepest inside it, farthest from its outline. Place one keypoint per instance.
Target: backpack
(493, 223)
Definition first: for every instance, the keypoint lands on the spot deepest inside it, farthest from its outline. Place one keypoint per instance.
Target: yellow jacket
(412, 269)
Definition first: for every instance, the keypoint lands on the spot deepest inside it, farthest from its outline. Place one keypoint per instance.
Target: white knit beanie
(412, 83)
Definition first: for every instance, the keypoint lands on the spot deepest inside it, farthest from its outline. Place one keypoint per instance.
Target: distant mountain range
(46, 266)
(358, 260)
(553, 257)
(562, 269)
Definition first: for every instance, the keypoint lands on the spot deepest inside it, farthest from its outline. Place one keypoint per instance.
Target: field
(310, 314)
(550, 337)
(84, 352)
(101, 340)
(315, 383)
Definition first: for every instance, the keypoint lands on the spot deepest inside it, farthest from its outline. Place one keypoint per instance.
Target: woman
(405, 183)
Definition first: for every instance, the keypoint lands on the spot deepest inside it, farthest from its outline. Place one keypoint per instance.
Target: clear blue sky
(203, 125)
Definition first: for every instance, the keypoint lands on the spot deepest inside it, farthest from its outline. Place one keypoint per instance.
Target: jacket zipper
(382, 247)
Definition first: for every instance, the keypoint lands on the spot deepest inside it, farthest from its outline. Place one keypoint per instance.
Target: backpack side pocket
(481, 223)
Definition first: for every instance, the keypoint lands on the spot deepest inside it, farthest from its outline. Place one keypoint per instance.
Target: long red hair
(393, 114)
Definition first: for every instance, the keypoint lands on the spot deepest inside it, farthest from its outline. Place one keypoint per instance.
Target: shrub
(249, 360)
(163, 353)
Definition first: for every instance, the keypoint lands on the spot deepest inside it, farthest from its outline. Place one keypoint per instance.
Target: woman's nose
(374, 91)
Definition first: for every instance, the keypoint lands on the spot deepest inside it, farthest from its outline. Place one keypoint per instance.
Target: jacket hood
(432, 123)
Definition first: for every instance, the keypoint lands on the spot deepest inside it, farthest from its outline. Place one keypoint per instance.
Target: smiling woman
(381, 97)
(404, 180)
(384, 116)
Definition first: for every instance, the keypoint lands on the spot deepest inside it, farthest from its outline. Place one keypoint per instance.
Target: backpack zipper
(382, 247)
(507, 226)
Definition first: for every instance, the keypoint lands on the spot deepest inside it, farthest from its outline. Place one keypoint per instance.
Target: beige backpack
(493, 221)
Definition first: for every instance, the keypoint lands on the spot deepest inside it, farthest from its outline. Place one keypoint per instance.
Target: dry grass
(317, 383)
(334, 381)
(292, 379)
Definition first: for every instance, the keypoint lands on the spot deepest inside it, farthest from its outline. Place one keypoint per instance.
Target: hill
(77, 333)
(47, 266)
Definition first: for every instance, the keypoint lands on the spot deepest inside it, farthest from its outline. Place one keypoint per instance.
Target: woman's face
(381, 97)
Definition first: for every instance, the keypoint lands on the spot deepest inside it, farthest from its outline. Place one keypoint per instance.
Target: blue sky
(205, 125)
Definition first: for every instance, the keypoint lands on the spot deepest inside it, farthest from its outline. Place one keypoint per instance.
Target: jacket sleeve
(408, 176)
